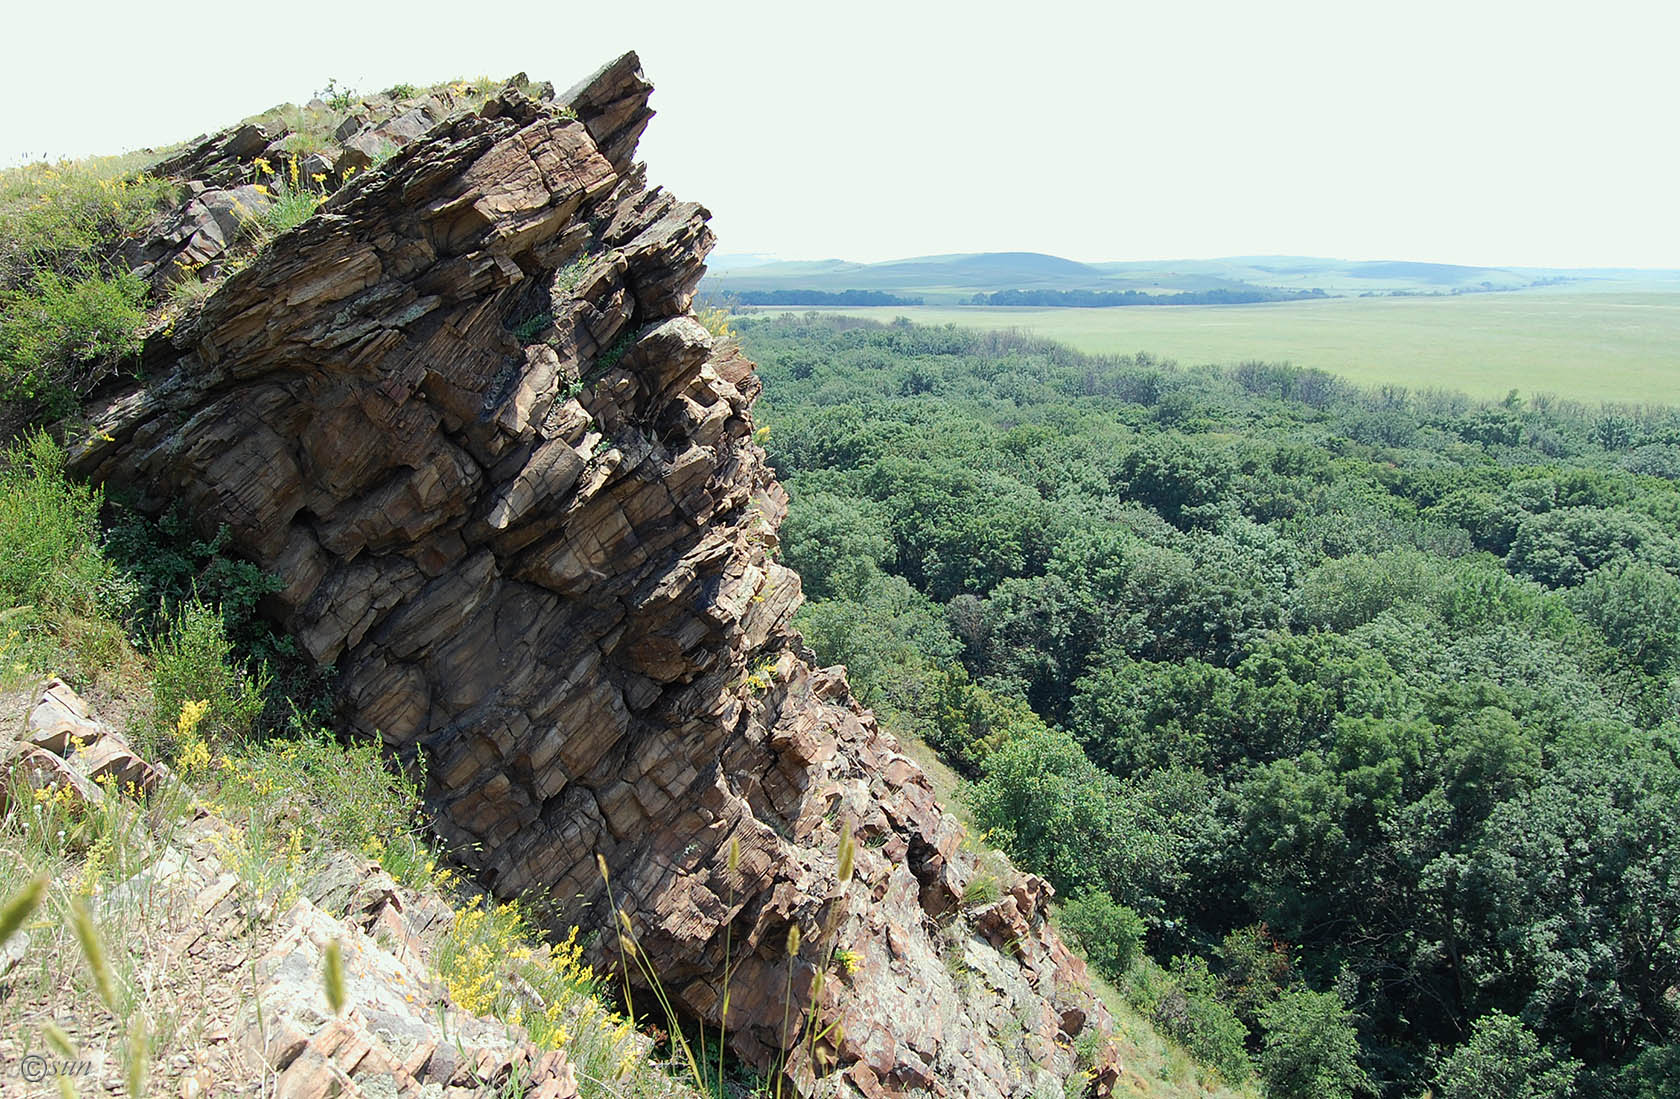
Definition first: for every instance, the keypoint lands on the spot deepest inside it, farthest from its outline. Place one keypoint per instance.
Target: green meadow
(1584, 346)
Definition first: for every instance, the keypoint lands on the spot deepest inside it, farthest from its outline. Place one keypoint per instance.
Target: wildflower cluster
(716, 321)
(258, 781)
(493, 960)
(295, 199)
(192, 753)
(762, 677)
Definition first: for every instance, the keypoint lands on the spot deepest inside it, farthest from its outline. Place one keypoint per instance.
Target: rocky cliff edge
(509, 482)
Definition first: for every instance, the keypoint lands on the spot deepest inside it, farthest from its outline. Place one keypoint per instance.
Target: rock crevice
(510, 486)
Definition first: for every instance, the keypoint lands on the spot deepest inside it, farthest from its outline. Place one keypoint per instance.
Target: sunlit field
(1590, 347)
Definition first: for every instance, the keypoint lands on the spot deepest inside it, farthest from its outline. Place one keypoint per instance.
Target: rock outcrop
(510, 486)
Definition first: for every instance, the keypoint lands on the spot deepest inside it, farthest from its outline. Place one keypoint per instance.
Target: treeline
(1356, 707)
(815, 297)
(1105, 299)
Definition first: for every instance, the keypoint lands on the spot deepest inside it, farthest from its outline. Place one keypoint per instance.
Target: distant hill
(964, 271)
(950, 279)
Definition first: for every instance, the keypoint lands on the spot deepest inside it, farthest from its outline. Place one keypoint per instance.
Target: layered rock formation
(510, 485)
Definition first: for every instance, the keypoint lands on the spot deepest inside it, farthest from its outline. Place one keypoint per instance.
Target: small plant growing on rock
(338, 97)
(295, 199)
(982, 888)
(189, 290)
(527, 330)
(762, 677)
(610, 357)
(569, 276)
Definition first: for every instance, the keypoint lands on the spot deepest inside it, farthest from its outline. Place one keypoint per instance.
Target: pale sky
(1469, 132)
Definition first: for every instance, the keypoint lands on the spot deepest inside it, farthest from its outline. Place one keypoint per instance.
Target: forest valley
(1345, 719)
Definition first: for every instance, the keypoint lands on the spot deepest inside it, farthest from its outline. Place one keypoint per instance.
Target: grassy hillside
(1588, 347)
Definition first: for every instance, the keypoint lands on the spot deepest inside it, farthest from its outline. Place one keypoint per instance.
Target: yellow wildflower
(194, 754)
(192, 714)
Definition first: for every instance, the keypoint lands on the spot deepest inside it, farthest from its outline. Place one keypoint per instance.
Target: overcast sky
(1466, 132)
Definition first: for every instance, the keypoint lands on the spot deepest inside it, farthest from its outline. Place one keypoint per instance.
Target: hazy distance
(1494, 134)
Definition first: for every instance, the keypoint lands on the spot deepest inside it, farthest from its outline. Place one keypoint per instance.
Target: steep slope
(510, 485)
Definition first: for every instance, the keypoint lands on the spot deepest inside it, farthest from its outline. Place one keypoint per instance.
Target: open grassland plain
(1587, 347)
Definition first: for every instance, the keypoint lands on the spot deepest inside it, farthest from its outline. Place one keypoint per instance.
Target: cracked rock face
(509, 483)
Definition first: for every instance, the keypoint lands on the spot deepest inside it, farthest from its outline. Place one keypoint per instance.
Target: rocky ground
(224, 982)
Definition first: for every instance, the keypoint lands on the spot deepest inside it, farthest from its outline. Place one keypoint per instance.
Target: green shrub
(1110, 934)
(169, 564)
(59, 597)
(1184, 1004)
(64, 306)
(49, 554)
(193, 661)
(56, 331)
(1650, 1075)
(1636, 607)
(1504, 1060)
(1254, 968)
(1312, 1048)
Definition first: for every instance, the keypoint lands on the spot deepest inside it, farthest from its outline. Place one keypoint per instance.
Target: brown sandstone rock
(64, 747)
(509, 484)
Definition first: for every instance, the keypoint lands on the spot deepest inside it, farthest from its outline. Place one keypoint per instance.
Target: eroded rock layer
(510, 485)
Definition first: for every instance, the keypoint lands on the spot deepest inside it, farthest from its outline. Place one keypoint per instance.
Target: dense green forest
(1356, 708)
(1105, 299)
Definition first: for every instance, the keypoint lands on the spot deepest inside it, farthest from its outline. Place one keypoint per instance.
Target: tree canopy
(1383, 682)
